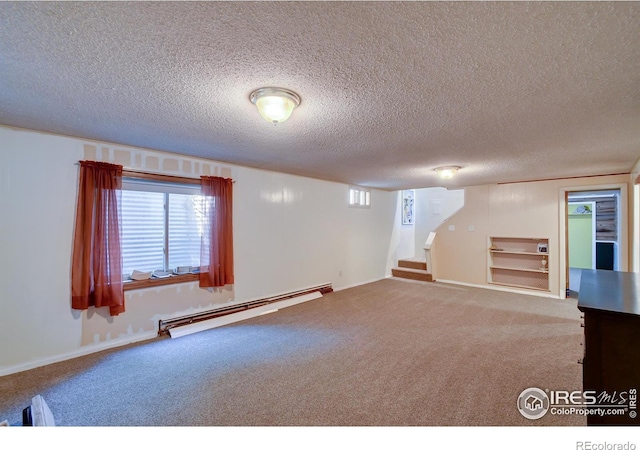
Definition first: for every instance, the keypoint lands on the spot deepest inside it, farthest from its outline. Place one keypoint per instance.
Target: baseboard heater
(180, 326)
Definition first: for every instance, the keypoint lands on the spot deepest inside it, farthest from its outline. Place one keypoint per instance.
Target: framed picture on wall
(407, 207)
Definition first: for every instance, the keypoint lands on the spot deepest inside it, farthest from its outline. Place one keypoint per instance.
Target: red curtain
(96, 275)
(216, 252)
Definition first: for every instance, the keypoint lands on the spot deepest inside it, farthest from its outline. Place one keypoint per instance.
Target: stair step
(411, 274)
(419, 264)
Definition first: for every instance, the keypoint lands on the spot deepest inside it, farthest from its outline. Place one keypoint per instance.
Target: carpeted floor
(389, 353)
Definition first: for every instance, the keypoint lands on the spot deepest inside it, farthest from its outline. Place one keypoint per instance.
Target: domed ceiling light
(275, 104)
(447, 171)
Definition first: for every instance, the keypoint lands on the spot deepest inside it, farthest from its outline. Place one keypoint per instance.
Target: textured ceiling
(510, 91)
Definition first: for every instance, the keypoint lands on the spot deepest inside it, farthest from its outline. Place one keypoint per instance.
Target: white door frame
(623, 238)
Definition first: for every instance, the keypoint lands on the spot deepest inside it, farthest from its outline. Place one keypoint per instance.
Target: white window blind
(143, 231)
(161, 225)
(185, 219)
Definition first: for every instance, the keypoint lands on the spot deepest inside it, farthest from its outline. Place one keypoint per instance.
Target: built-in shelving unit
(519, 262)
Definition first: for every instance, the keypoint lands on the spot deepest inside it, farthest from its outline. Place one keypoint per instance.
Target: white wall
(298, 232)
(37, 192)
(635, 218)
(635, 238)
(433, 206)
(534, 209)
(402, 237)
(289, 233)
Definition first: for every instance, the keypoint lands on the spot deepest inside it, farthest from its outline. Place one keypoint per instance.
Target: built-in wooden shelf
(515, 253)
(519, 269)
(516, 262)
(519, 286)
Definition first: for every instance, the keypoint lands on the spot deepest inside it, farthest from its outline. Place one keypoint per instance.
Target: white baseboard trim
(239, 316)
(93, 348)
(500, 288)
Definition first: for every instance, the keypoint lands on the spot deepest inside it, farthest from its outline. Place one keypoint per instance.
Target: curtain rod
(157, 176)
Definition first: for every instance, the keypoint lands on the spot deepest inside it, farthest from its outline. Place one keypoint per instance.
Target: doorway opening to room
(593, 233)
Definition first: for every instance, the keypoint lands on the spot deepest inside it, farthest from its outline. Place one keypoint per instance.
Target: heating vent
(165, 326)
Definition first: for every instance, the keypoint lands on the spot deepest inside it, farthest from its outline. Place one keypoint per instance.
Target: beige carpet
(389, 353)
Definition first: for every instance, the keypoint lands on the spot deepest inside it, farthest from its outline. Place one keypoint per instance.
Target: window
(162, 225)
(359, 197)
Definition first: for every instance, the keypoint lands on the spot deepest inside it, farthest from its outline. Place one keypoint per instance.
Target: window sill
(154, 282)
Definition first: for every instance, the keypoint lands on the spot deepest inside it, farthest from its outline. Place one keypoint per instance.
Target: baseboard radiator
(165, 326)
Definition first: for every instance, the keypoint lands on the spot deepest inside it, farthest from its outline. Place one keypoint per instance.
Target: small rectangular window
(359, 197)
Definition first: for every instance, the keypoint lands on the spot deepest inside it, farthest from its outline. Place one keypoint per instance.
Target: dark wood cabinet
(610, 302)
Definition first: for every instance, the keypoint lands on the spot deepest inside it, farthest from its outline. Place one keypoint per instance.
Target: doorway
(593, 233)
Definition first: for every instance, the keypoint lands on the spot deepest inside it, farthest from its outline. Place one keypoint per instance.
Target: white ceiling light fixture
(275, 104)
(447, 172)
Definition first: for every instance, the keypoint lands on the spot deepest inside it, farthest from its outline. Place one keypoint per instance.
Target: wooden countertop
(606, 290)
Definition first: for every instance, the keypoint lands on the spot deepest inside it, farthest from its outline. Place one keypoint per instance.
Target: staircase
(412, 269)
